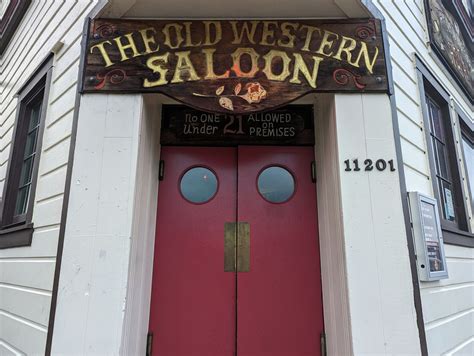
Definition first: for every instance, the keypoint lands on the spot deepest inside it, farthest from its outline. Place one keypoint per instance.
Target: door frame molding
(136, 318)
(145, 203)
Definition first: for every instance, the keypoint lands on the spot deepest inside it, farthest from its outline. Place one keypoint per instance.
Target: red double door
(274, 307)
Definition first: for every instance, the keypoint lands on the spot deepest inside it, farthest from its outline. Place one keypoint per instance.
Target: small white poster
(449, 207)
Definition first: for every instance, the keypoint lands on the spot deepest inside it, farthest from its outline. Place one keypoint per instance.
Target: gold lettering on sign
(178, 35)
(268, 69)
(268, 34)
(149, 40)
(343, 47)
(364, 51)
(309, 35)
(209, 53)
(300, 66)
(189, 41)
(264, 51)
(184, 67)
(236, 57)
(286, 28)
(130, 45)
(217, 32)
(327, 43)
(103, 52)
(157, 65)
(244, 31)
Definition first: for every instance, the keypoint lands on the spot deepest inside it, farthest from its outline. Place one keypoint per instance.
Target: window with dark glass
(443, 159)
(23, 161)
(444, 148)
(16, 226)
(28, 158)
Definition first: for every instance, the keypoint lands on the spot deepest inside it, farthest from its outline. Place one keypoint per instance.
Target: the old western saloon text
(279, 50)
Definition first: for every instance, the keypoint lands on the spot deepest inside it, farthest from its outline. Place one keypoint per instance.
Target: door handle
(236, 247)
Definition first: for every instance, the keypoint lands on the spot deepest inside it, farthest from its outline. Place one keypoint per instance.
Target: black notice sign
(291, 125)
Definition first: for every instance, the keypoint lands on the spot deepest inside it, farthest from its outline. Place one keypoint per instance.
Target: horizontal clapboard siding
(30, 303)
(8, 350)
(448, 305)
(26, 273)
(15, 328)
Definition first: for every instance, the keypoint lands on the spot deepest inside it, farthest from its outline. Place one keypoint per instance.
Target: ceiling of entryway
(235, 9)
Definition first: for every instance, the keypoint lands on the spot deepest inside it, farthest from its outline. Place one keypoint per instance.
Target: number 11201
(369, 165)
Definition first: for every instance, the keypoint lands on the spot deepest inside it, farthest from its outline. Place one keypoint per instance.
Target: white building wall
(26, 273)
(448, 305)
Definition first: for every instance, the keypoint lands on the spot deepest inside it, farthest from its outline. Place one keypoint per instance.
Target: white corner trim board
(94, 271)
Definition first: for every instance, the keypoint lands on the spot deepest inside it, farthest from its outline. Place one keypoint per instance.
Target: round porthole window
(276, 184)
(198, 185)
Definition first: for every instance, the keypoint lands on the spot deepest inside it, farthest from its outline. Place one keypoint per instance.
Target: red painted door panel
(193, 299)
(279, 307)
(275, 309)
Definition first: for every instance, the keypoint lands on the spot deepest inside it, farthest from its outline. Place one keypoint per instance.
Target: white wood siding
(26, 273)
(448, 305)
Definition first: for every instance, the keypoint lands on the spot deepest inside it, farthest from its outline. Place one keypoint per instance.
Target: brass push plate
(243, 247)
(236, 247)
(230, 232)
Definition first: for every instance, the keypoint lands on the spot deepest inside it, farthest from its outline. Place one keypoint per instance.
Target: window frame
(466, 128)
(462, 234)
(17, 231)
(452, 177)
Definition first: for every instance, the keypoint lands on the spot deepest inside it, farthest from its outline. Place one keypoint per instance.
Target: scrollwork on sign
(104, 31)
(366, 31)
(342, 76)
(114, 76)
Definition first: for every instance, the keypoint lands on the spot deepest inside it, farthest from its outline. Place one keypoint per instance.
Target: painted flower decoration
(255, 93)
(226, 103)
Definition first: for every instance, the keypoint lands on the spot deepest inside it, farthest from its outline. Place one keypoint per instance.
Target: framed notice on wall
(431, 260)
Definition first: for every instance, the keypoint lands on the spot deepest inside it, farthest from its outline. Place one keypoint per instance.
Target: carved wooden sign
(234, 66)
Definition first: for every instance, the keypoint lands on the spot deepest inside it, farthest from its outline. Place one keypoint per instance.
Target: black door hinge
(323, 344)
(161, 170)
(313, 171)
(149, 344)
